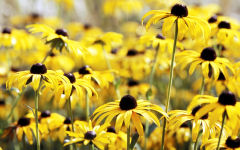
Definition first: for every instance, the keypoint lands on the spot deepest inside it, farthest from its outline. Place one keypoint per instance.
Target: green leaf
(134, 140)
(152, 127)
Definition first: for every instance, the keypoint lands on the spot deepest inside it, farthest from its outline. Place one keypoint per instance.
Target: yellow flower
(86, 134)
(118, 140)
(58, 39)
(226, 143)
(196, 27)
(179, 117)
(4, 109)
(208, 60)
(24, 126)
(60, 133)
(102, 78)
(128, 109)
(33, 76)
(74, 84)
(226, 102)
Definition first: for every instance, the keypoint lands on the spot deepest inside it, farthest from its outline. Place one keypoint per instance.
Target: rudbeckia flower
(77, 84)
(207, 59)
(16, 39)
(226, 143)
(24, 126)
(118, 140)
(60, 133)
(4, 109)
(86, 134)
(226, 102)
(102, 78)
(179, 117)
(33, 76)
(128, 109)
(196, 27)
(58, 39)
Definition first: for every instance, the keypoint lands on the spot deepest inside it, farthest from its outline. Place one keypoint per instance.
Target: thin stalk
(170, 81)
(110, 67)
(15, 103)
(92, 147)
(44, 59)
(36, 113)
(202, 86)
(196, 143)
(128, 138)
(151, 78)
(220, 136)
(87, 107)
(70, 114)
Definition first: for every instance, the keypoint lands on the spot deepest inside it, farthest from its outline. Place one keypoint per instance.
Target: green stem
(128, 138)
(110, 67)
(70, 114)
(202, 86)
(220, 136)
(44, 59)
(196, 143)
(151, 78)
(15, 103)
(36, 114)
(92, 147)
(87, 107)
(170, 81)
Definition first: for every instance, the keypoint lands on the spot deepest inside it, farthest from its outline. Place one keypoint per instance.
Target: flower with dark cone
(128, 109)
(178, 117)
(24, 126)
(58, 39)
(87, 134)
(197, 27)
(227, 143)
(32, 77)
(207, 58)
(226, 102)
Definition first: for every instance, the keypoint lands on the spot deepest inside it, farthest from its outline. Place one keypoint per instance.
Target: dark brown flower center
(128, 102)
(38, 69)
(84, 70)
(67, 121)
(132, 52)
(212, 19)
(23, 121)
(160, 36)
(45, 114)
(185, 125)
(114, 51)
(208, 54)
(6, 30)
(233, 143)
(195, 110)
(62, 32)
(101, 42)
(87, 26)
(133, 83)
(179, 10)
(35, 16)
(224, 24)
(227, 98)
(71, 77)
(111, 129)
(2, 102)
(90, 135)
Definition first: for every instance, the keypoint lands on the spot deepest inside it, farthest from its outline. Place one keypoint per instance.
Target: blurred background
(91, 11)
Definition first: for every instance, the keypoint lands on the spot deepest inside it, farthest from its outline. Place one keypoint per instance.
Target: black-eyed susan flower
(23, 127)
(227, 143)
(86, 134)
(127, 110)
(74, 84)
(60, 133)
(179, 117)
(58, 39)
(196, 27)
(118, 140)
(102, 78)
(225, 103)
(207, 59)
(33, 76)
